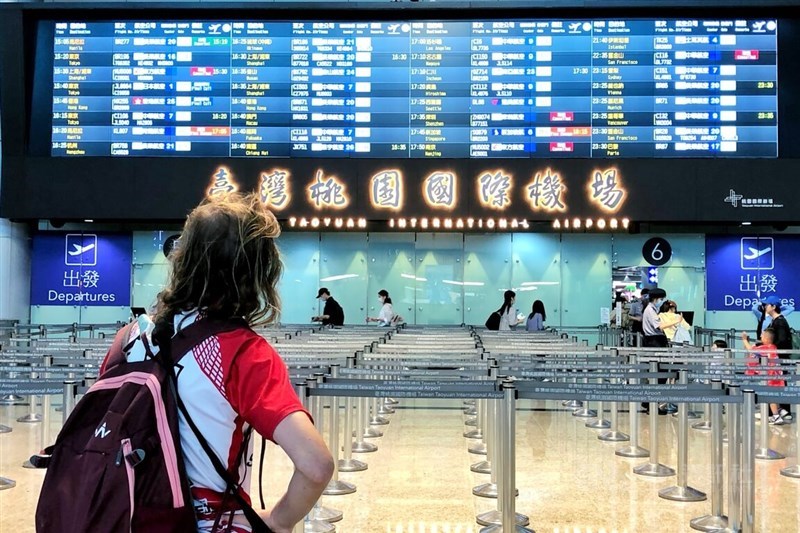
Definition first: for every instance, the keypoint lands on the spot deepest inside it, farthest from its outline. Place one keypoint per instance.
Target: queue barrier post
(682, 492)
(653, 468)
(347, 463)
(633, 449)
(336, 486)
(716, 520)
(764, 452)
(748, 462)
(312, 403)
(794, 471)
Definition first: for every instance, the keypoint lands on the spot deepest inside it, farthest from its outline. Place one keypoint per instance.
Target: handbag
(493, 322)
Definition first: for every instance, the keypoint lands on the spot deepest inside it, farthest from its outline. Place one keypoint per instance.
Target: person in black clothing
(783, 338)
(333, 314)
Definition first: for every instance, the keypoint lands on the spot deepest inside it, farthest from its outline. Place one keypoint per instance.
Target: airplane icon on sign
(78, 249)
(755, 253)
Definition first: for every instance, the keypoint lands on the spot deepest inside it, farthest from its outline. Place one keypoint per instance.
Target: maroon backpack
(117, 463)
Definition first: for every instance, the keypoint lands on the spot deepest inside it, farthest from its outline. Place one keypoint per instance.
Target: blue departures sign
(741, 270)
(81, 269)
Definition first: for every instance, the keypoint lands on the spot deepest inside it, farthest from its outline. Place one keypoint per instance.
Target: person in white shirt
(508, 313)
(386, 315)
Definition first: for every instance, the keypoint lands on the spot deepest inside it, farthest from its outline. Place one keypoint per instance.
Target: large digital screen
(612, 88)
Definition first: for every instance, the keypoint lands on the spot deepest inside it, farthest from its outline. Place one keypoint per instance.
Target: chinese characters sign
(545, 192)
(386, 190)
(539, 191)
(275, 191)
(81, 269)
(439, 190)
(743, 270)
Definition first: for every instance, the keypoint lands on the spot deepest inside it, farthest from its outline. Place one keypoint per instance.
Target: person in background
(783, 338)
(763, 319)
(537, 317)
(386, 315)
(637, 311)
(654, 337)
(768, 349)
(669, 315)
(508, 313)
(332, 314)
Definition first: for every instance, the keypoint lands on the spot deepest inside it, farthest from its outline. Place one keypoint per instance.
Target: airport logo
(739, 200)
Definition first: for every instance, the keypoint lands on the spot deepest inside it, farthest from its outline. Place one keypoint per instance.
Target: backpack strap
(116, 353)
(183, 341)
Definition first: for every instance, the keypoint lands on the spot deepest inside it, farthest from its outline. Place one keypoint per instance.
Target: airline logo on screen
(546, 190)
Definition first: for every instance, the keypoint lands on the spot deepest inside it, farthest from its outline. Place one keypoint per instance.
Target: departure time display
(416, 89)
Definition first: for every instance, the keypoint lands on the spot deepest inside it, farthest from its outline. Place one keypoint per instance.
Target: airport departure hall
(400, 266)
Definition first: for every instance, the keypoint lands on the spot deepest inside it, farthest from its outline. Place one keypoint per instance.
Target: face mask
(658, 303)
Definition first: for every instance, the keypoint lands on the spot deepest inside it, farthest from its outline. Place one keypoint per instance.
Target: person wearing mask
(508, 313)
(537, 317)
(228, 266)
(763, 320)
(654, 337)
(637, 311)
(386, 315)
(332, 314)
(783, 338)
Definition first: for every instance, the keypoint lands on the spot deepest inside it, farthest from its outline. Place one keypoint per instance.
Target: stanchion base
(481, 467)
(471, 421)
(613, 436)
(384, 409)
(767, 454)
(372, 433)
(326, 514)
(584, 413)
(654, 470)
(477, 449)
(6, 483)
(390, 401)
(709, 523)
(791, 471)
(491, 518)
(30, 418)
(682, 494)
(489, 490)
(378, 421)
(573, 404)
(473, 434)
(318, 526)
(470, 411)
(485, 490)
(12, 399)
(693, 415)
(351, 465)
(339, 488)
(705, 425)
(5, 429)
(470, 402)
(499, 529)
(364, 447)
(632, 451)
(598, 424)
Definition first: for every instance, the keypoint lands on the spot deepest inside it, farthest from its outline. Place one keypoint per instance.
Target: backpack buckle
(135, 457)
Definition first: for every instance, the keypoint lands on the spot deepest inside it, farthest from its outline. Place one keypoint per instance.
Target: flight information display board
(417, 89)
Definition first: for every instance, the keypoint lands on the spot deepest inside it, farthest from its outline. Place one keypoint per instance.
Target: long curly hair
(226, 264)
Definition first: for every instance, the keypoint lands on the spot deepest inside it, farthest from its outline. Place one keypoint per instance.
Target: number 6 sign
(657, 251)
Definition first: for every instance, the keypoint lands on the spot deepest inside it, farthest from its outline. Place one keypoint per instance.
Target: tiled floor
(419, 479)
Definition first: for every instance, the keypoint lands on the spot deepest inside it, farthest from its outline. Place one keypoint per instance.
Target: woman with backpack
(508, 313)
(200, 352)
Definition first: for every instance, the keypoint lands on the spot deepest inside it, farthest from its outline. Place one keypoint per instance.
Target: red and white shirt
(228, 382)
